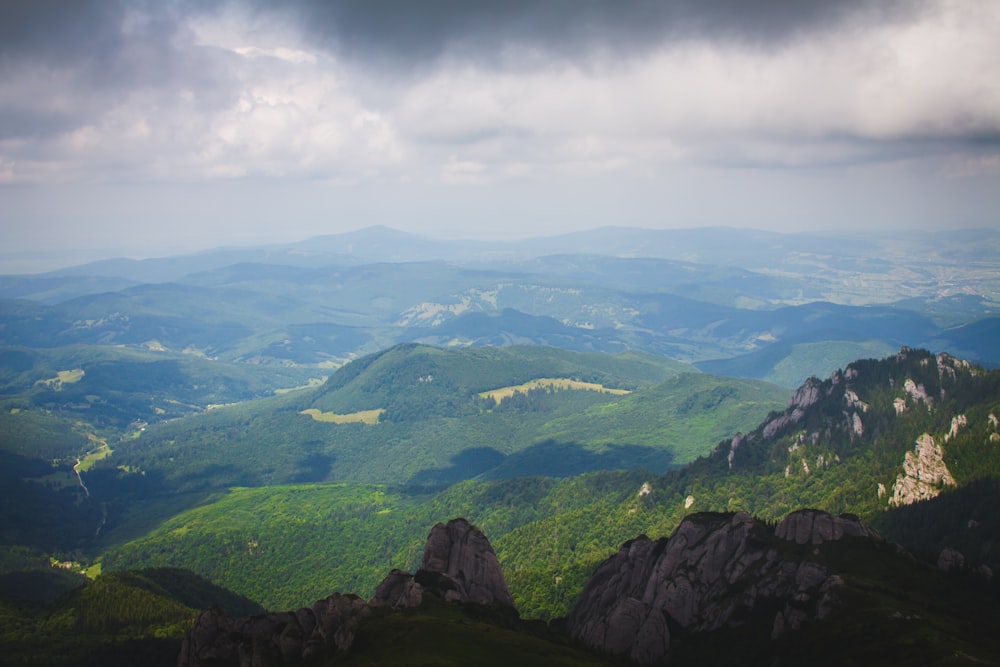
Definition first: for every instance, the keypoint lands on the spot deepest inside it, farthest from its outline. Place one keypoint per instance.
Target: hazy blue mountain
(324, 301)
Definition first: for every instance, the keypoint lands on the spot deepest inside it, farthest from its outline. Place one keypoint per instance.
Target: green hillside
(113, 386)
(122, 618)
(435, 428)
(550, 533)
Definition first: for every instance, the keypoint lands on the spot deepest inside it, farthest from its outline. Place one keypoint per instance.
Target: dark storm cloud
(107, 40)
(404, 31)
(61, 32)
(468, 91)
(83, 57)
(58, 31)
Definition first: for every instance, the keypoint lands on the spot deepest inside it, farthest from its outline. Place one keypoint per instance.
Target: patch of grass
(103, 451)
(550, 383)
(360, 417)
(69, 377)
(61, 378)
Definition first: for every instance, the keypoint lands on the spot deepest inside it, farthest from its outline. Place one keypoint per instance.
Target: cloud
(399, 31)
(479, 92)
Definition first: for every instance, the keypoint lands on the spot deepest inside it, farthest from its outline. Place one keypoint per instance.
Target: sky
(146, 128)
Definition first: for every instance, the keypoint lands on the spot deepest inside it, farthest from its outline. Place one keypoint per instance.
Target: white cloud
(296, 56)
(826, 99)
(288, 111)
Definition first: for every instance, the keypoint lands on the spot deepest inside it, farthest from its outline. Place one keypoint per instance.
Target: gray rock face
(924, 474)
(808, 526)
(461, 552)
(459, 565)
(273, 639)
(398, 590)
(804, 397)
(711, 573)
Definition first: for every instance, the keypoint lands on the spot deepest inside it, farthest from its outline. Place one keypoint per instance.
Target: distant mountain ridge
(756, 304)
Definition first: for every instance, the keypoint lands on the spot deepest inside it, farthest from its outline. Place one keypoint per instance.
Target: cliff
(714, 572)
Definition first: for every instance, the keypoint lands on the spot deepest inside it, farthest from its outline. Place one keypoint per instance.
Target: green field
(549, 383)
(360, 417)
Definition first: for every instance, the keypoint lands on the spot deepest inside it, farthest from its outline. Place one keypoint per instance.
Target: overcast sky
(146, 127)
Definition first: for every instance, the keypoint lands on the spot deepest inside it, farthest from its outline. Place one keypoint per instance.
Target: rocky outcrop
(462, 553)
(924, 474)
(713, 572)
(958, 422)
(953, 561)
(399, 590)
(273, 639)
(804, 397)
(809, 526)
(916, 392)
(458, 565)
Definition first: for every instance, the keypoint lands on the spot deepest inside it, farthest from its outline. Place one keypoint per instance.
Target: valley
(289, 422)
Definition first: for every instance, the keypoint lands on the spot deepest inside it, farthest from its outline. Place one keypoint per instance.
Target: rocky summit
(459, 565)
(713, 572)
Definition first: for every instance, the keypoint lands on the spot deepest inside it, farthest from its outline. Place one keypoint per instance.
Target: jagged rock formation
(876, 405)
(273, 639)
(805, 396)
(924, 473)
(713, 572)
(459, 565)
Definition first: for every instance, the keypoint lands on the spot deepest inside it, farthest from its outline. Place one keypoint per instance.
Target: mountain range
(757, 299)
(287, 422)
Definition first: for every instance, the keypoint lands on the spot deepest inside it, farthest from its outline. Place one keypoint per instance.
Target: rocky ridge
(924, 473)
(713, 572)
(875, 404)
(459, 565)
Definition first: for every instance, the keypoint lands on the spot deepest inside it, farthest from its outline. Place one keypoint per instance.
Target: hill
(551, 533)
(435, 428)
(110, 387)
(122, 618)
(688, 294)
